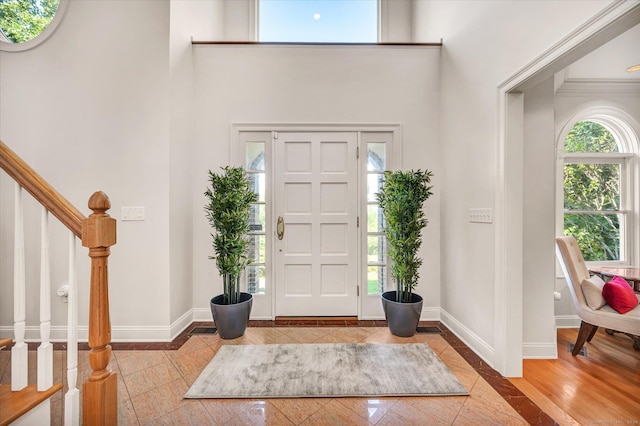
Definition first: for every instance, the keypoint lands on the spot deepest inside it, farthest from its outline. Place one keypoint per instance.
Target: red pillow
(619, 295)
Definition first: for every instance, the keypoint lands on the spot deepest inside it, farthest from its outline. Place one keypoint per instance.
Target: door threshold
(316, 321)
(318, 318)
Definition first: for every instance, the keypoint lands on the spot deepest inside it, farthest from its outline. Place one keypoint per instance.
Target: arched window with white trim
(24, 24)
(599, 160)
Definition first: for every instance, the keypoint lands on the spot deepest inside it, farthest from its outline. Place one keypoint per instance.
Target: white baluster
(45, 350)
(19, 352)
(72, 397)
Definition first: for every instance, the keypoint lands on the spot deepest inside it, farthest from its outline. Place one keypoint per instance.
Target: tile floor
(151, 384)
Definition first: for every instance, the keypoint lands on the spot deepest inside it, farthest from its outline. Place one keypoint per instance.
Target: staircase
(23, 403)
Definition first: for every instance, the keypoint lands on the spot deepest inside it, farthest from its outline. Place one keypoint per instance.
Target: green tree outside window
(592, 193)
(23, 20)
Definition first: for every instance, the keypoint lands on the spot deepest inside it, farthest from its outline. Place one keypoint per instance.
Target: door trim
(237, 158)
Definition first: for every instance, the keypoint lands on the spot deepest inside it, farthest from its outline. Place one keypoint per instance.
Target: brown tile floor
(151, 383)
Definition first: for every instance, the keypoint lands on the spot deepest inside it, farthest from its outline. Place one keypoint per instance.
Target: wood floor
(601, 388)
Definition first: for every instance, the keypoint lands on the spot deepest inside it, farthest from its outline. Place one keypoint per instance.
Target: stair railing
(98, 233)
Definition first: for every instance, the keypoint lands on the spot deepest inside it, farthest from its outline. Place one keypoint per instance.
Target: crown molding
(590, 87)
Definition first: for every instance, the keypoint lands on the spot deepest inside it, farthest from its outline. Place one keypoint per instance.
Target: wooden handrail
(98, 233)
(44, 193)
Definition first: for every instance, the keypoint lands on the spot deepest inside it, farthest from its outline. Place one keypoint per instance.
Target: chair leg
(586, 330)
(593, 333)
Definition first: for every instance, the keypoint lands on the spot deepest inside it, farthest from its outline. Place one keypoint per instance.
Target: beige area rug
(325, 370)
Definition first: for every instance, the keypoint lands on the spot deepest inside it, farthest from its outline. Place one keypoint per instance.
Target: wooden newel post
(100, 405)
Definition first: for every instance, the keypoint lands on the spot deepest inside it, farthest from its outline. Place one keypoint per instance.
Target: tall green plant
(401, 197)
(227, 210)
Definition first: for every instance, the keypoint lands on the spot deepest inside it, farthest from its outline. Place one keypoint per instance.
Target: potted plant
(228, 208)
(401, 198)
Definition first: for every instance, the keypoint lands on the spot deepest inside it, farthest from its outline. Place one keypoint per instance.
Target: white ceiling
(611, 60)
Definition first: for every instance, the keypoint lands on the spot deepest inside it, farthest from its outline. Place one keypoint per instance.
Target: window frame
(369, 307)
(7, 46)
(629, 163)
(385, 139)
(254, 31)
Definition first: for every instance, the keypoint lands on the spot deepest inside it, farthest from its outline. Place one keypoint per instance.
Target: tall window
(597, 196)
(376, 239)
(318, 21)
(255, 166)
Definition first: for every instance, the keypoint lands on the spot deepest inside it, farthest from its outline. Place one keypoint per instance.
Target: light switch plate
(132, 213)
(481, 215)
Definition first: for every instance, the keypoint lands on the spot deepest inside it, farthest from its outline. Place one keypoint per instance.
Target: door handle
(280, 227)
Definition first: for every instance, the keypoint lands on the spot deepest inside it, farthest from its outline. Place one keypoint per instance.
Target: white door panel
(316, 261)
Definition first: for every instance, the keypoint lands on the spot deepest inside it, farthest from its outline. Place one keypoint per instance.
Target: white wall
(539, 336)
(89, 110)
(115, 116)
(609, 61)
(200, 20)
(484, 43)
(396, 21)
(303, 84)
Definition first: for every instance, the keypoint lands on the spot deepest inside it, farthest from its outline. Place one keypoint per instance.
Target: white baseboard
(473, 341)
(141, 334)
(567, 321)
(118, 334)
(163, 333)
(181, 323)
(430, 314)
(201, 314)
(32, 333)
(539, 350)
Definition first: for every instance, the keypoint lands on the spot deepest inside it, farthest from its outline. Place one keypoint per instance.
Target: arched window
(599, 164)
(26, 23)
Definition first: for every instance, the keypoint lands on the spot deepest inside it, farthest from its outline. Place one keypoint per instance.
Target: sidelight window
(376, 240)
(256, 170)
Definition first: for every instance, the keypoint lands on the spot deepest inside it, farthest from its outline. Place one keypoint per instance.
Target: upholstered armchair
(576, 272)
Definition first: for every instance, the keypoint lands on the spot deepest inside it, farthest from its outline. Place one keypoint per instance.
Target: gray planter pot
(231, 320)
(402, 318)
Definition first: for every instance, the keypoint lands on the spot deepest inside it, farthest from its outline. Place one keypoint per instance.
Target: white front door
(316, 243)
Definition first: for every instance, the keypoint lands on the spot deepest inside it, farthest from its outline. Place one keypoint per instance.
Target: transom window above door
(318, 21)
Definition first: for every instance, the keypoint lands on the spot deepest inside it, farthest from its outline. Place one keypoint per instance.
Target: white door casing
(253, 141)
(316, 194)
